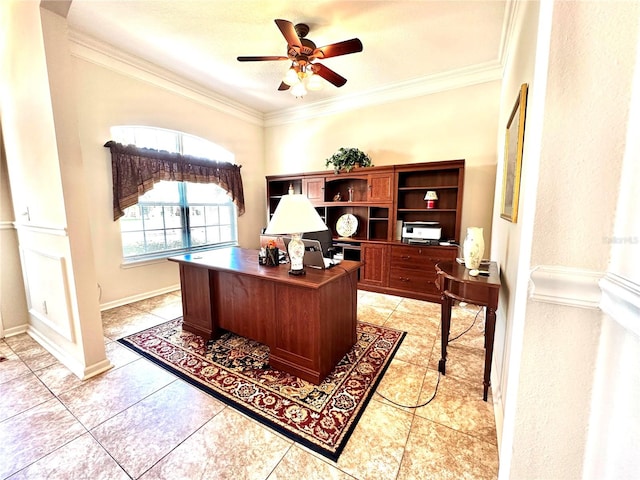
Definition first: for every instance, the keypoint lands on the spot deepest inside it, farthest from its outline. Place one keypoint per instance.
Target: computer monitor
(313, 255)
(325, 238)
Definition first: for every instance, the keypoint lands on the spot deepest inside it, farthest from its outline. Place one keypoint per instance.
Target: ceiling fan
(302, 53)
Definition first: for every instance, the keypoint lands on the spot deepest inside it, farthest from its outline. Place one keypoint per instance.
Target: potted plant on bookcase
(346, 158)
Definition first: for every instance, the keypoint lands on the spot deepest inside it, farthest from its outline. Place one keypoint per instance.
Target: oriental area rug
(236, 371)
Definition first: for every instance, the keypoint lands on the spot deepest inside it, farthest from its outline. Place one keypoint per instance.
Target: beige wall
(509, 247)
(13, 306)
(566, 391)
(565, 376)
(108, 97)
(455, 124)
(46, 171)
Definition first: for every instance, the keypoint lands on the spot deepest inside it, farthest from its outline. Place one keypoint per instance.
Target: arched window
(175, 217)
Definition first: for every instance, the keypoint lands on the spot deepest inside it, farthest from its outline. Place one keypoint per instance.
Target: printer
(421, 233)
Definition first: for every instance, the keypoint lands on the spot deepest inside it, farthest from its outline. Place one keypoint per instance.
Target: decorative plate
(347, 225)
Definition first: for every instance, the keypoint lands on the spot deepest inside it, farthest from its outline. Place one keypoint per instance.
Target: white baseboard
(136, 298)
(78, 369)
(498, 402)
(10, 332)
(96, 369)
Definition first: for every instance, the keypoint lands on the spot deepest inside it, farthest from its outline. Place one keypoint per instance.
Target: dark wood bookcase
(382, 199)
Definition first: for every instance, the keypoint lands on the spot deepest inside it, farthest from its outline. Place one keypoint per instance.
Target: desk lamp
(294, 216)
(431, 197)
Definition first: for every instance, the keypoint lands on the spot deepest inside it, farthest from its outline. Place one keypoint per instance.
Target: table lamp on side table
(294, 216)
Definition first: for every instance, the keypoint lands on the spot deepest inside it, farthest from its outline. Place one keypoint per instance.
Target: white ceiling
(405, 42)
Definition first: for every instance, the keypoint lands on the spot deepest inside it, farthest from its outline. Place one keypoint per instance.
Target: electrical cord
(435, 391)
(475, 319)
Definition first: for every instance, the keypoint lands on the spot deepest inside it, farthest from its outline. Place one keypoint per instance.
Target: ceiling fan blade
(329, 75)
(261, 59)
(283, 86)
(289, 32)
(341, 48)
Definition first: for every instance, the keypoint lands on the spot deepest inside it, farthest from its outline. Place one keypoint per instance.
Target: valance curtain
(135, 170)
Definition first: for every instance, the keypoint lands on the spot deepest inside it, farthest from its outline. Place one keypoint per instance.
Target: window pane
(157, 224)
(196, 215)
(155, 241)
(133, 244)
(125, 137)
(175, 239)
(212, 215)
(167, 140)
(206, 193)
(213, 234)
(152, 215)
(199, 147)
(198, 237)
(226, 235)
(146, 137)
(165, 192)
(172, 218)
(132, 219)
(225, 215)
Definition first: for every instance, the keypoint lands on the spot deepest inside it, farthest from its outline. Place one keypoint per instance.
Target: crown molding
(102, 54)
(508, 27)
(427, 85)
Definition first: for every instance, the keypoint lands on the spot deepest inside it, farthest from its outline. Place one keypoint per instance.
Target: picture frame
(514, 140)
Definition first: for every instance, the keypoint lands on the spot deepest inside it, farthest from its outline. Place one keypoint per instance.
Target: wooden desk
(455, 283)
(308, 322)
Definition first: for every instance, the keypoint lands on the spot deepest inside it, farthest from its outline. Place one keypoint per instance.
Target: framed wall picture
(514, 139)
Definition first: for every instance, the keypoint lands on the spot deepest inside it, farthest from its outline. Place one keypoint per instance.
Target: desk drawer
(420, 281)
(418, 258)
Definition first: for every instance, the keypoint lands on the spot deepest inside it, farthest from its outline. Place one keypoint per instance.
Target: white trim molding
(427, 85)
(83, 372)
(59, 231)
(46, 283)
(567, 286)
(621, 301)
(136, 298)
(99, 53)
(4, 225)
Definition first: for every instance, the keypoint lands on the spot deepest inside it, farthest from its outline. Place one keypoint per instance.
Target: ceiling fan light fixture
(298, 90)
(314, 83)
(301, 52)
(291, 77)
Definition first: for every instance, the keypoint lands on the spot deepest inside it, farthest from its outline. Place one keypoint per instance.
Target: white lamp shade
(431, 195)
(298, 90)
(314, 83)
(291, 77)
(294, 214)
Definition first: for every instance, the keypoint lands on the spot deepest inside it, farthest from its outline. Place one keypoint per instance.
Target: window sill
(162, 257)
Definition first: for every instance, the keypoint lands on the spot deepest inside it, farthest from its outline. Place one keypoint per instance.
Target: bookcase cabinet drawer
(418, 258)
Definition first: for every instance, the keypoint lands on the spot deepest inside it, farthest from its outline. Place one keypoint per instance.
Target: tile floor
(131, 422)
